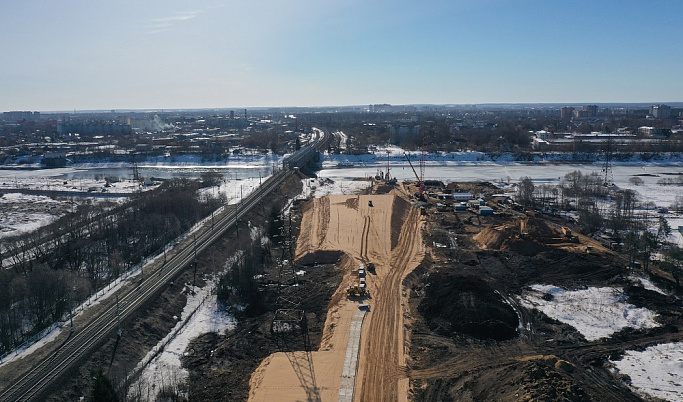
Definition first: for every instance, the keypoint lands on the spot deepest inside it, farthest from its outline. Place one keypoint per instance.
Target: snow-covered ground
(656, 371)
(22, 213)
(594, 312)
(320, 187)
(234, 190)
(646, 283)
(456, 166)
(477, 166)
(162, 367)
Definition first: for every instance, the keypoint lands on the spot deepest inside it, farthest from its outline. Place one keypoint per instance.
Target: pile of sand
(537, 234)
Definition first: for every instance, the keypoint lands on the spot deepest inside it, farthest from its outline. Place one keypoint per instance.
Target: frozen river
(497, 172)
(345, 167)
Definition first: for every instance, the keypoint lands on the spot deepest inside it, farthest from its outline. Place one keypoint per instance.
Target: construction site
(428, 307)
(405, 293)
(410, 294)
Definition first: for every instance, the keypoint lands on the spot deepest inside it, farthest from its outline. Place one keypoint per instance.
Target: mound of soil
(462, 304)
(399, 213)
(540, 378)
(507, 237)
(321, 257)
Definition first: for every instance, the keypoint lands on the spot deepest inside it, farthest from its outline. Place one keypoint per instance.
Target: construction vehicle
(567, 233)
(356, 291)
(371, 268)
(420, 182)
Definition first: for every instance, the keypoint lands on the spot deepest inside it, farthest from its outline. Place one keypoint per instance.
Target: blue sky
(79, 54)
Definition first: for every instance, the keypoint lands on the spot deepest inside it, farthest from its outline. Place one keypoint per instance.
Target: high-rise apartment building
(660, 111)
(566, 112)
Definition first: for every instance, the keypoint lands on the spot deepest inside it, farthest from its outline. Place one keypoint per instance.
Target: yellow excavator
(355, 291)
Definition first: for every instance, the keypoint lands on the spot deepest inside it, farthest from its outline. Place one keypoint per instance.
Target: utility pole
(71, 315)
(607, 166)
(194, 276)
(118, 318)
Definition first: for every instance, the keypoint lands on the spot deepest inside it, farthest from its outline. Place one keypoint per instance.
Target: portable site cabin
(462, 196)
(484, 210)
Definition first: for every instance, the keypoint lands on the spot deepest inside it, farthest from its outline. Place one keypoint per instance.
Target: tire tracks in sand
(383, 355)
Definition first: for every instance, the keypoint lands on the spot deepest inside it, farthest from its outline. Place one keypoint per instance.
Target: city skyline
(209, 54)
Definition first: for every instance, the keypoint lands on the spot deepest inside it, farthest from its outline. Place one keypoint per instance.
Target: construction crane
(420, 181)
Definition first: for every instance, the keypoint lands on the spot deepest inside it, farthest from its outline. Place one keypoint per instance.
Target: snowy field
(594, 312)
(22, 213)
(476, 166)
(656, 371)
(457, 166)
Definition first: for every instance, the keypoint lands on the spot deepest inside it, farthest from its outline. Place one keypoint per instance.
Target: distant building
(660, 111)
(566, 112)
(20, 115)
(592, 110)
(400, 131)
(582, 114)
(586, 112)
(653, 131)
(94, 128)
(54, 159)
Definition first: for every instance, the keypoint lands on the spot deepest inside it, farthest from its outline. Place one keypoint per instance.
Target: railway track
(33, 384)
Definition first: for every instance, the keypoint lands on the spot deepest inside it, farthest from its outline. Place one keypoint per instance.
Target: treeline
(64, 263)
(632, 224)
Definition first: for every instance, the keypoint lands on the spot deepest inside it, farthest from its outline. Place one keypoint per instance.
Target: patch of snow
(46, 336)
(656, 371)
(594, 312)
(319, 187)
(646, 283)
(162, 367)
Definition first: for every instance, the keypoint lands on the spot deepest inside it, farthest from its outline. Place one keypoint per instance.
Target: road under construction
(363, 353)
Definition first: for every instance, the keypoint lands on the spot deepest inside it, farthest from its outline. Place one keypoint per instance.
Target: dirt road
(388, 234)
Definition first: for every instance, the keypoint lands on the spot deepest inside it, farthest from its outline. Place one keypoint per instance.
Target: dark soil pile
(321, 257)
(463, 304)
(541, 378)
(399, 213)
(537, 234)
(458, 355)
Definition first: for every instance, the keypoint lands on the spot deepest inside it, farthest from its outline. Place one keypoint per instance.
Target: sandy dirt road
(389, 235)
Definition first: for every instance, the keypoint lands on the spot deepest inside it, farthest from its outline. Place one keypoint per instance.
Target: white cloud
(168, 23)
